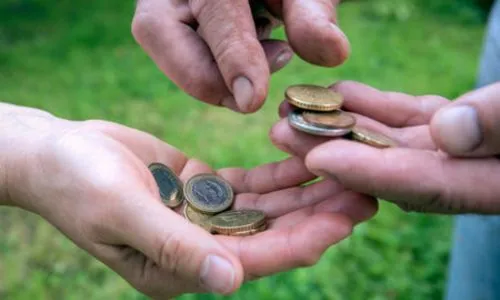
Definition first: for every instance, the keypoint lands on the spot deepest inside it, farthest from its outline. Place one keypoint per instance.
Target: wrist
(20, 129)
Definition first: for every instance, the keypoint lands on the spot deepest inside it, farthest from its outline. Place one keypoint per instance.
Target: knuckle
(225, 50)
(202, 7)
(143, 26)
(309, 259)
(171, 251)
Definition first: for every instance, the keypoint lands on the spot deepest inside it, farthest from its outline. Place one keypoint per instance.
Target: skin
(447, 161)
(220, 53)
(90, 180)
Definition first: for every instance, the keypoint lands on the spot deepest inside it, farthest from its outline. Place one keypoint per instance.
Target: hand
(90, 180)
(218, 53)
(446, 162)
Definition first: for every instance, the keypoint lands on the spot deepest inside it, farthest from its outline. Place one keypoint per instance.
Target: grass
(78, 60)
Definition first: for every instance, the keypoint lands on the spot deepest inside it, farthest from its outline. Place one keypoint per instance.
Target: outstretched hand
(90, 180)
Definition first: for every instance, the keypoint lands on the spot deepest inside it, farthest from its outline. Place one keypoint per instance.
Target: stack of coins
(207, 200)
(317, 111)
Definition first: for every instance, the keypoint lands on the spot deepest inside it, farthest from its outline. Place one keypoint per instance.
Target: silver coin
(296, 120)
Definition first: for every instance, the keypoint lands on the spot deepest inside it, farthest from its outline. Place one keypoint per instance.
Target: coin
(312, 97)
(335, 119)
(208, 193)
(237, 221)
(372, 138)
(196, 217)
(249, 232)
(296, 120)
(169, 185)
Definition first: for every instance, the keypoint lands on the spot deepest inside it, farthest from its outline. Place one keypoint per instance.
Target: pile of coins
(207, 200)
(317, 111)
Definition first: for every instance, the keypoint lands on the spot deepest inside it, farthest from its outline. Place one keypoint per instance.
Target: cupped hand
(90, 180)
(446, 161)
(220, 53)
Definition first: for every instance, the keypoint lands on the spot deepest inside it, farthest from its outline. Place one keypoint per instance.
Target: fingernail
(217, 274)
(338, 30)
(281, 61)
(459, 129)
(243, 93)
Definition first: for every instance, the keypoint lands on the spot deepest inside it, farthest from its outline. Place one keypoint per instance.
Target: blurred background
(78, 60)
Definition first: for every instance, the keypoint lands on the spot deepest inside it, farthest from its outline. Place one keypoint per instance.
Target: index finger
(312, 29)
(228, 29)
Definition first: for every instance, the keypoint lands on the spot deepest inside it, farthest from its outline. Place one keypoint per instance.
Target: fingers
(269, 177)
(278, 54)
(179, 52)
(180, 249)
(355, 206)
(167, 34)
(292, 141)
(470, 125)
(312, 31)
(228, 29)
(298, 143)
(414, 179)
(390, 108)
(281, 202)
(279, 250)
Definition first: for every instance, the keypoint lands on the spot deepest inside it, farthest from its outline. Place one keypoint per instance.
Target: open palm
(90, 180)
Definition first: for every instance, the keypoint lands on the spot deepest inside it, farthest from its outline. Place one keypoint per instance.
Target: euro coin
(169, 185)
(312, 97)
(335, 119)
(249, 232)
(197, 217)
(208, 193)
(237, 221)
(296, 120)
(371, 138)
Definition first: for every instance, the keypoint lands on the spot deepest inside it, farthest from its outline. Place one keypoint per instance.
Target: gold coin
(236, 221)
(196, 217)
(312, 97)
(208, 193)
(169, 185)
(249, 232)
(333, 119)
(371, 138)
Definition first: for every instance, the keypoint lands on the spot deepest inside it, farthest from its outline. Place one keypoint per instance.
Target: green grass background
(78, 60)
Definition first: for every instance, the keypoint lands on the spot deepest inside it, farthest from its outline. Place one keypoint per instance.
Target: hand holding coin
(223, 54)
(442, 163)
(91, 181)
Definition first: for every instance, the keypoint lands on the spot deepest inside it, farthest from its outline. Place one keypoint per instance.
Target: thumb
(470, 126)
(180, 249)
